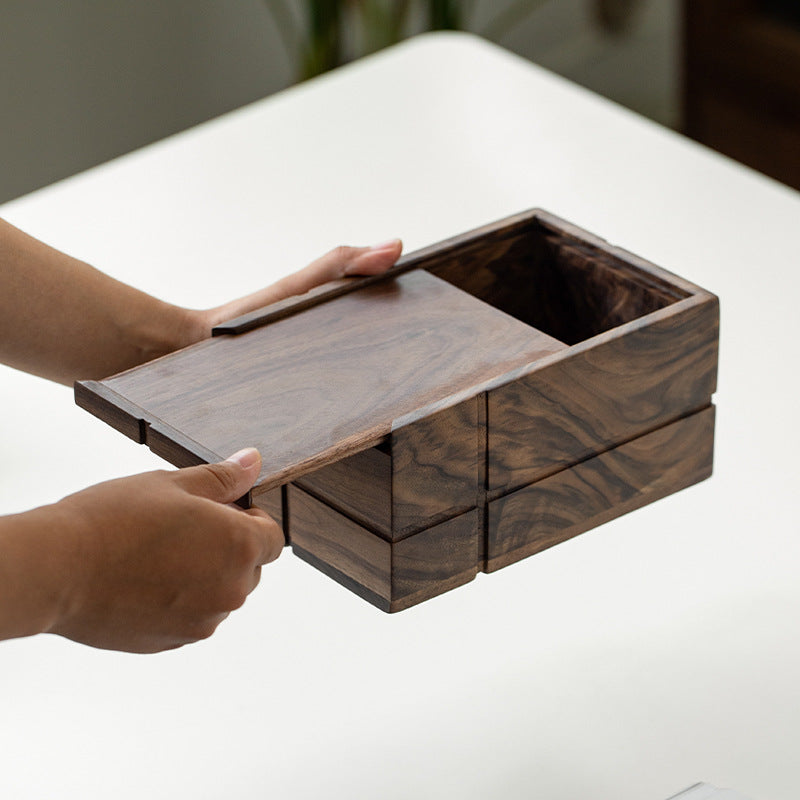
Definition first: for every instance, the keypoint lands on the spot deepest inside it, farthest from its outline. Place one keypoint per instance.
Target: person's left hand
(341, 262)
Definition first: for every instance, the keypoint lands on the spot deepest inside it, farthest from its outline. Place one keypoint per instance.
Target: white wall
(82, 81)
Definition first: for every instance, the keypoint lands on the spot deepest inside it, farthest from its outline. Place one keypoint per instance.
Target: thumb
(225, 481)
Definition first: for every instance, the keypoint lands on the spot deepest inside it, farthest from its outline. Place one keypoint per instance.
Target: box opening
(564, 286)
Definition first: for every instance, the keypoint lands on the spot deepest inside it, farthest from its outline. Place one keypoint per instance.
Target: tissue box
(490, 396)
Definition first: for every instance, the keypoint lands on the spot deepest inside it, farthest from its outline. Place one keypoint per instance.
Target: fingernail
(390, 244)
(245, 458)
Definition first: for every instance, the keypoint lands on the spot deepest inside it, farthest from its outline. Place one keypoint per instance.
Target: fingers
(341, 262)
(268, 536)
(225, 481)
(375, 259)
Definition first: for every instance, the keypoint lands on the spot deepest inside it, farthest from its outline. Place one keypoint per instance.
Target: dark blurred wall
(742, 81)
(82, 81)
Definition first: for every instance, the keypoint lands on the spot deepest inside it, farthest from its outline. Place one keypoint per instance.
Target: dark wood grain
(558, 279)
(609, 389)
(313, 388)
(600, 489)
(427, 472)
(435, 560)
(410, 408)
(360, 486)
(393, 576)
(436, 462)
(345, 545)
(114, 409)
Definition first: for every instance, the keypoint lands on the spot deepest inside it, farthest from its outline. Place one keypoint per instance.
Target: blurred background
(86, 80)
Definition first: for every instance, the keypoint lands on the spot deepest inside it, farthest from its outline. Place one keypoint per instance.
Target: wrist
(194, 325)
(161, 329)
(38, 568)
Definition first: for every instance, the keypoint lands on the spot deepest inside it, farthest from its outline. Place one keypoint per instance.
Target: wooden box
(491, 396)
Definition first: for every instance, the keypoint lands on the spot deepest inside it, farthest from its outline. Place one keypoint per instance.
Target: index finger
(267, 534)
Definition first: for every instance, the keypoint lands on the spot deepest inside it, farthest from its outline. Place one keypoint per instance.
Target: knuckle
(238, 596)
(343, 252)
(205, 628)
(277, 543)
(245, 548)
(233, 596)
(222, 476)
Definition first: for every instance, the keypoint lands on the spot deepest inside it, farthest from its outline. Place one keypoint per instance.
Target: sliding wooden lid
(314, 386)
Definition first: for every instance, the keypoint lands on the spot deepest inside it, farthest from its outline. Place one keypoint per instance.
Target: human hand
(158, 560)
(90, 325)
(341, 262)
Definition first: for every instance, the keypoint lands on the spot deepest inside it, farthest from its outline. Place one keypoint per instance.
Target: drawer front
(390, 575)
(597, 490)
(611, 390)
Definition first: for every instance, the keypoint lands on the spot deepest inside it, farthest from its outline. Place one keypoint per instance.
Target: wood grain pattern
(597, 490)
(392, 576)
(559, 279)
(427, 472)
(332, 538)
(410, 408)
(435, 560)
(617, 386)
(360, 486)
(319, 386)
(436, 463)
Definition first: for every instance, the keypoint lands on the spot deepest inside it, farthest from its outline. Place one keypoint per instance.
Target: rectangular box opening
(565, 287)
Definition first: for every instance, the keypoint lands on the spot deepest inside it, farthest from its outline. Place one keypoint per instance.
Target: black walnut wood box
(491, 396)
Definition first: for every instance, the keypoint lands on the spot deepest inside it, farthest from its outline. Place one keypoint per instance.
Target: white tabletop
(657, 651)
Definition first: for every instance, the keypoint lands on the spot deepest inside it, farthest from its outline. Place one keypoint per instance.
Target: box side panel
(436, 560)
(390, 575)
(600, 489)
(340, 548)
(610, 389)
(359, 486)
(436, 463)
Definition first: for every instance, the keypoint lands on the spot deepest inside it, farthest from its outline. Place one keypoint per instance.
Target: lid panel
(311, 388)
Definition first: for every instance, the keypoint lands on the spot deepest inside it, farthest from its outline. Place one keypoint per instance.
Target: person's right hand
(158, 560)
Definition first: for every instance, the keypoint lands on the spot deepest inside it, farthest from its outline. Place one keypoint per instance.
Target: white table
(654, 652)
